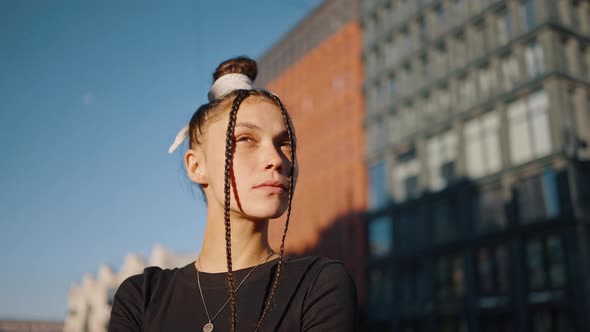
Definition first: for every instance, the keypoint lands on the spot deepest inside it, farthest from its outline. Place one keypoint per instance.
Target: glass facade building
(477, 131)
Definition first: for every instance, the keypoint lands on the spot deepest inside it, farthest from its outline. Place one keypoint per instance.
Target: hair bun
(240, 65)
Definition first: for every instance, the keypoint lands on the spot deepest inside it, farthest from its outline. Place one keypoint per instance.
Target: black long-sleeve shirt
(314, 294)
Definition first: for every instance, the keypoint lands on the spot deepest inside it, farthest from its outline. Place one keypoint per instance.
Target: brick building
(316, 69)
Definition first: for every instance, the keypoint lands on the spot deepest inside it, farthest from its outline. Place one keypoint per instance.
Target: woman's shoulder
(325, 272)
(318, 265)
(152, 280)
(329, 295)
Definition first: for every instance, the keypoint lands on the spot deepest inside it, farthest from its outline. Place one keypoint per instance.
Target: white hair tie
(228, 83)
(221, 87)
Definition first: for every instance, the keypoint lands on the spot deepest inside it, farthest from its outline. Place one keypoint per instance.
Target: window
(556, 261)
(394, 128)
(546, 263)
(378, 188)
(530, 135)
(441, 59)
(392, 56)
(380, 286)
(510, 71)
(534, 59)
(372, 62)
(458, 6)
(443, 221)
(527, 13)
(534, 253)
(478, 39)
(537, 197)
(424, 32)
(441, 16)
(409, 120)
(407, 77)
(584, 58)
(378, 92)
(490, 207)
(504, 21)
(407, 42)
(380, 237)
(453, 323)
(551, 320)
(425, 66)
(492, 271)
(487, 80)
(442, 151)
(413, 284)
(392, 14)
(466, 93)
(392, 86)
(429, 106)
(450, 278)
(459, 50)
(482, 145)
(444, 99)
(411, 229)
(405, 176)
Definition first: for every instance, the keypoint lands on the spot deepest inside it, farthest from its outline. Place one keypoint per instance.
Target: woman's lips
(272, 186)
(272, 189)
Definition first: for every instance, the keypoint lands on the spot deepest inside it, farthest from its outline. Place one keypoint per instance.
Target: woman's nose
(273, 159)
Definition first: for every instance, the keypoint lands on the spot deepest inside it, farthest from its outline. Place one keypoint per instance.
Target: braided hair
(197, 126)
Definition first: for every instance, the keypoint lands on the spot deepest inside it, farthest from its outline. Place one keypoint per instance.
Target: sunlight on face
(261, 161)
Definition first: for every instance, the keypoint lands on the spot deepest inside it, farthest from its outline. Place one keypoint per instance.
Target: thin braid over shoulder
(291, 190)
(229, 148)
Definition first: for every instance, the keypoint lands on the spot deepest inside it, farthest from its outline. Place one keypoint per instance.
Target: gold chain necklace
(208, 327)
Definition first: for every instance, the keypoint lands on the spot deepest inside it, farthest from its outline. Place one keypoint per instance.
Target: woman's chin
(266, 213)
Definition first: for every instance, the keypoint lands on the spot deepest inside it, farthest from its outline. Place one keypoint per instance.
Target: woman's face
(261, 160)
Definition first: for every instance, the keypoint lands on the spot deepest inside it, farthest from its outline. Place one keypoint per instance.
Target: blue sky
(91, 96)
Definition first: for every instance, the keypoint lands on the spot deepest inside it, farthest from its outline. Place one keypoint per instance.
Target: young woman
(242, 155)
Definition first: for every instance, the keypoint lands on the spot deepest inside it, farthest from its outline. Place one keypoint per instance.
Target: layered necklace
(209, 326)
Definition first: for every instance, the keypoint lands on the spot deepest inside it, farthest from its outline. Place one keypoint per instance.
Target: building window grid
(460, 48)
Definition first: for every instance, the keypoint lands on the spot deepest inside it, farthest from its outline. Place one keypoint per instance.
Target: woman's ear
(194, 163)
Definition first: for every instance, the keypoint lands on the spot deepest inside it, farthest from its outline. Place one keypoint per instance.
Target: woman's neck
(249, 244)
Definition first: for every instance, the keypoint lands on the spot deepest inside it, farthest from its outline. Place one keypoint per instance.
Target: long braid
(229, 147)
(291, 187)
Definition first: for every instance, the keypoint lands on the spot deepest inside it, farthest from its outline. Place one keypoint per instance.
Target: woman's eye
(244, 139)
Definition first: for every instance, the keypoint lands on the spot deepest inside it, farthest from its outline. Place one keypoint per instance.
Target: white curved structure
(89, 303)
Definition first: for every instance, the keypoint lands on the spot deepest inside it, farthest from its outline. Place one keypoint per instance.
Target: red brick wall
(323, 93)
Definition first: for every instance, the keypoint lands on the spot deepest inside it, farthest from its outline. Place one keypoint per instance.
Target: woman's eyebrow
(281, 135)
(248, 125)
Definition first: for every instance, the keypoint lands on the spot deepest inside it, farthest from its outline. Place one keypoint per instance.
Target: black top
(314, 294)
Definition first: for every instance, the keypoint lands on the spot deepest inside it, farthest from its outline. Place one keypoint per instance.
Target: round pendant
(208, 327)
